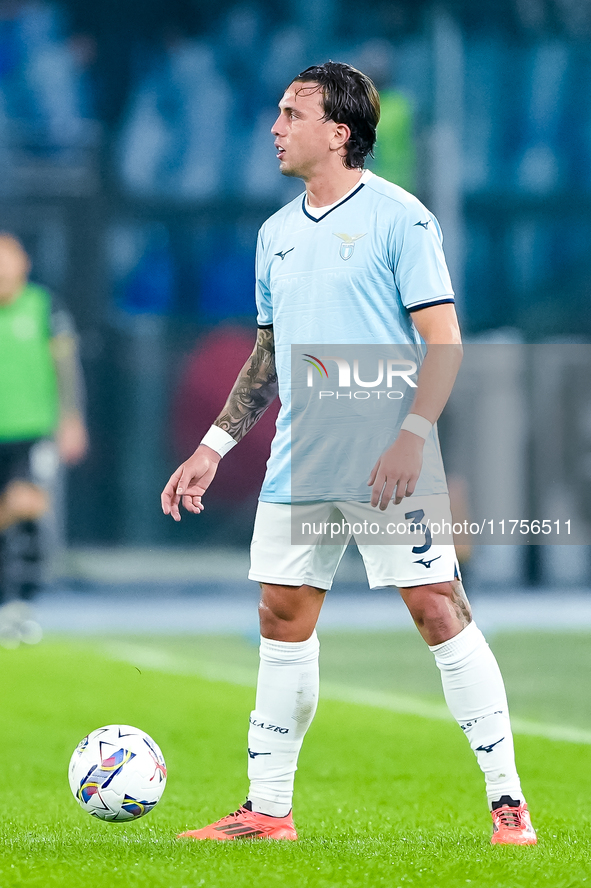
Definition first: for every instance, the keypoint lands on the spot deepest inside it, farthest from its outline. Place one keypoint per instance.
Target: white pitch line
(163, 661)
(416, 706)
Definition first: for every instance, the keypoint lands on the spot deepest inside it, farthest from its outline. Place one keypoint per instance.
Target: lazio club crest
(348, 244)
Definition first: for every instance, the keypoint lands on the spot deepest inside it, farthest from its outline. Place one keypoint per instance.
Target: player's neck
(12, 296)
(327, 188)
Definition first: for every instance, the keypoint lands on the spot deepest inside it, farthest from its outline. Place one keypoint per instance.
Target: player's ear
(341, 136)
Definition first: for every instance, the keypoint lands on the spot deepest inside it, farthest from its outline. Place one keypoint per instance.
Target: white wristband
(416, 424)
(218, 440)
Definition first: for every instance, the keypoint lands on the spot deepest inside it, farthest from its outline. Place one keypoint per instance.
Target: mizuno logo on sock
(490, 747)
(254, 754)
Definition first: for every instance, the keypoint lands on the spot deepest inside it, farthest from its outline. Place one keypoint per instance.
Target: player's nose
(275, 129)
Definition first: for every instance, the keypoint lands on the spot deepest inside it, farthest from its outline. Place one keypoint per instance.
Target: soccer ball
(117, 773)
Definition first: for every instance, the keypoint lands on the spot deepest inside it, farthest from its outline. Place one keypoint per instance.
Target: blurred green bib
(28, 384)
(395, 155)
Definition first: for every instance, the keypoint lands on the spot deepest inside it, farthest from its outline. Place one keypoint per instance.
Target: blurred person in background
(41, 398)
(395, 150)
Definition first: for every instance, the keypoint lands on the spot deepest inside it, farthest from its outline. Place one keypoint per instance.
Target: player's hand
(397, 469)
(189, 482)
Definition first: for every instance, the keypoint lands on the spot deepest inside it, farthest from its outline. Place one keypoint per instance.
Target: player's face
(14, 268)
(302, 137)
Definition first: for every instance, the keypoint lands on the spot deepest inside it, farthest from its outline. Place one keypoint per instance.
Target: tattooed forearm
(460, 603)
(253, 391)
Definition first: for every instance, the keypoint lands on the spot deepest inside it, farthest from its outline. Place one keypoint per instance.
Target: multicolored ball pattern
(117, 773)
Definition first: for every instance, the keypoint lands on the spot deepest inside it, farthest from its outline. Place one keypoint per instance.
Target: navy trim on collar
(344, 200)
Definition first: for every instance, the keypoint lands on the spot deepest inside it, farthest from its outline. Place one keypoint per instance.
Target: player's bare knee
(422, 602)
(289, 614)
(277, 619)
(23, 501)
(269, 620)
(434, 604)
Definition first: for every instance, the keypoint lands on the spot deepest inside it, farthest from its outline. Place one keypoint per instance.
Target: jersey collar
(364, 178)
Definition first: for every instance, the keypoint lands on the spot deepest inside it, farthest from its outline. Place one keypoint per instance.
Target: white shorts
(389, 561)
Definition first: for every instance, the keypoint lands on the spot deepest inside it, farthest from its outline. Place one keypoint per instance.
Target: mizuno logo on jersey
(423, 224)
(348, 244)
(284, 253)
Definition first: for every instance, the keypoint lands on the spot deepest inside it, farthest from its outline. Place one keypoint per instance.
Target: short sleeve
(420, 270)
(262, 293)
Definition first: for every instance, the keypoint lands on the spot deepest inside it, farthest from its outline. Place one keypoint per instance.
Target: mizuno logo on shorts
(427, 563)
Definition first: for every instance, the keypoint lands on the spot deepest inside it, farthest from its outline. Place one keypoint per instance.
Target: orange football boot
(512, 826)
(245, 824)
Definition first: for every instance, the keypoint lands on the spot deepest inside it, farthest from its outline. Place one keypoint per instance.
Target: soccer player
(41, 395)
(355, 260)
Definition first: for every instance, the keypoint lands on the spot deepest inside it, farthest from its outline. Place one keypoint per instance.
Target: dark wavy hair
(349, 97)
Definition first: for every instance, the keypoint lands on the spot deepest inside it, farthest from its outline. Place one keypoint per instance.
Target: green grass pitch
(384, 797)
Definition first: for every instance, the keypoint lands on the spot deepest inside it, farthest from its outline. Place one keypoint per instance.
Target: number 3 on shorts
(415, 518)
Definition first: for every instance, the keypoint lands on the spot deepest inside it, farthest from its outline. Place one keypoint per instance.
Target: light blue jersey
(351, 276)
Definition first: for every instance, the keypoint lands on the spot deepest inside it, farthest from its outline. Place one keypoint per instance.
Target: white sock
(475, 693)
(286, 700)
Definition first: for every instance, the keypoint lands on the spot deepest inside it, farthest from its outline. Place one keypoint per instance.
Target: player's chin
(286, 170)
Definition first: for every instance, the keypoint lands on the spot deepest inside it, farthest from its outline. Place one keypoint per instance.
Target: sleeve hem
(419, 305)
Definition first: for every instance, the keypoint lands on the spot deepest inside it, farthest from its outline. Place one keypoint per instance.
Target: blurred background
(138, 165)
